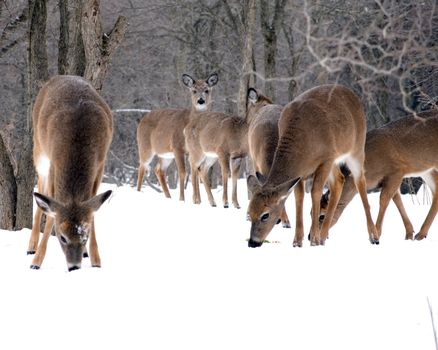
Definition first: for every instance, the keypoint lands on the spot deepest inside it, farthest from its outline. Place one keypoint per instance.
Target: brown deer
(160, 133)
(72, 133)
(319, 130)
(211, 137)
(405, 147)
(263, 117)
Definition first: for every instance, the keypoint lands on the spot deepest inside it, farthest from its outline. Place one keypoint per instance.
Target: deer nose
(74, 267)
(201, 101)
(321, 218)
(254, 244)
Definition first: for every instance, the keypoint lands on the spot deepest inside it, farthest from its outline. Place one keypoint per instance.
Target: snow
(180, 276)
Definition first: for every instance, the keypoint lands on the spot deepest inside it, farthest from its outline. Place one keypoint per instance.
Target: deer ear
(252, 183)
(212, 79)
(95, 202)
(252, 95)
(285, 189)
(260, 177)
(48, 205)
(187, 80)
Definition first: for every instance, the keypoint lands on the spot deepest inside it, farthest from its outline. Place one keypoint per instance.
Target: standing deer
(211, 137)
(319, 130)
(403, 148)
(160, 133)
(263, 117)
(72, 133)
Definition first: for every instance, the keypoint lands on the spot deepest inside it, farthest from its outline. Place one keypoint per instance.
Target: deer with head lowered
(72, 133)
(263, 117)
(160, 132)
(402, 148)
(318, 130)
(211, 137)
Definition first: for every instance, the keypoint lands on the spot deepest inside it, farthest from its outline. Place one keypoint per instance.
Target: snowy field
(179, 276)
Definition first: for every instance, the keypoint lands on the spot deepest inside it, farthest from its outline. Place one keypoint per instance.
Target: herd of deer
(320, 135)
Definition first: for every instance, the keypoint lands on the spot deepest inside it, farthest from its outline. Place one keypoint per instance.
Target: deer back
(73, 129)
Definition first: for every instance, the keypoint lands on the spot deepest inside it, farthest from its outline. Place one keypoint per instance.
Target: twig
(433, 323)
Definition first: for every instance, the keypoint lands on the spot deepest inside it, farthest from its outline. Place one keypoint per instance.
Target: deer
(160, 133)
(403, 148)
(263, 117)
(214, 137)
(319, 130)
(73, 129)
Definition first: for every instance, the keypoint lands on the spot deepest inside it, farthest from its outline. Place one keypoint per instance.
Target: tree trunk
(99, 46)
(247, 50)
(37, 74)
(8, 190)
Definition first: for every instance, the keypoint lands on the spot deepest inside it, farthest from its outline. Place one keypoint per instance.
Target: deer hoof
(95, 266)
(34, 267)
(286, 225)
(30, 252)
(298, 244)
(419, 237)
(374, 241)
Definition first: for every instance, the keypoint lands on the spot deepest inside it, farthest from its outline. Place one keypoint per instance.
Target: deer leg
(94, 251)
(284, 218)
(299, 226)
(336, 183)
(35, 235)
(203, 171)
(389, 189)
(141, 171)
(160, 171)
(42, 247)
(401, 209)
(235, 170)
(356, 168)
(195, 182)
(432, 182)
(224, 161)
(319, 179)
(179, 160)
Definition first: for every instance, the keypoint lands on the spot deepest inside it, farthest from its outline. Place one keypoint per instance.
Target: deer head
(265, 207)
(200, 90)
(73, 223)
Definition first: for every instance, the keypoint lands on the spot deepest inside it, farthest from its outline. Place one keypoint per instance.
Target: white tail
(320, 129)
(72, 133)
(211, 137)
(403, 148)
(160, 133)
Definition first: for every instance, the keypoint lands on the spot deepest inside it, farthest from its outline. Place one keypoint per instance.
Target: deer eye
(63, 239)
(206, 92)
(194, 91)
(264, 217)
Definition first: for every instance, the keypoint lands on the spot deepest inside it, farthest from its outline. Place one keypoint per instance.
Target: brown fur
(73, 129)
(406, 146)
(319, 129)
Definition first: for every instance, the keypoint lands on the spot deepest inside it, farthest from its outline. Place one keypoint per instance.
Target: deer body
(160, 132)
(72, 134)
(319, 130)
(403, 148)
(211, 137)
(263, 117)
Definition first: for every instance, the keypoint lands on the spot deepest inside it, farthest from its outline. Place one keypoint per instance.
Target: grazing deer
(403, 148)
(319, 130)
(211, 137)
(72, 133)
(160, 133)
(263, 117)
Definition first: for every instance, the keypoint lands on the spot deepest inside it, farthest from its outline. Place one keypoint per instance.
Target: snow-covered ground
(179, 276)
